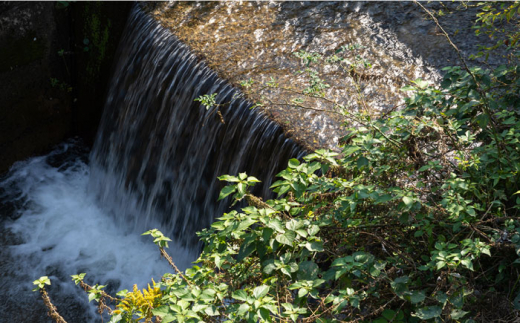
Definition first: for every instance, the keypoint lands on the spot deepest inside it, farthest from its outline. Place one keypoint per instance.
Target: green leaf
(457, 314)
(226, 191)
(242, 309)
(389, 314)
(293, 163)
(228, 178)
(240, 295)
(314, 246)
(264, 314)
(417, 297)
(350, 150)
(294, 224)
(467, 263)
(276, 224)
(253, 179)
(516, 302)
(428, 312)
(313, 230)
(308, 270)
(421, 83)
(286, 238)
(408, 201)
(91, 296)
(361, 162)
(260, 291)
(161, 311)
(212, 310)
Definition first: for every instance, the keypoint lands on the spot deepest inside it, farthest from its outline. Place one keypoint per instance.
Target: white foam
(63, 229)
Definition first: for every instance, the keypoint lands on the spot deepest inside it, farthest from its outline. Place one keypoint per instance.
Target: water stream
(154, 165)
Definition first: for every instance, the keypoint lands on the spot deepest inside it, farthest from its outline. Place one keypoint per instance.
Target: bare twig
(53, 311)
(170, 261)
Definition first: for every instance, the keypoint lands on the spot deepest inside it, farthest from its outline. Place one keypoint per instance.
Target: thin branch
(170, 261)
(53, 311)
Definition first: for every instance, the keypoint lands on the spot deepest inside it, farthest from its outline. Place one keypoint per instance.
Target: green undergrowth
(416, 219)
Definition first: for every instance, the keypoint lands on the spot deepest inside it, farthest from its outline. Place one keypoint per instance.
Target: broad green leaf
(286, 238)
(429, 312)
(161, 311)
(417, 297)
(260, 291)
(293, 163)
(350, 150)
(314, 246)
(228, 178)
(242, 309)
(407, 200)
(308, 270)
(264, 314)
(226, 191)
(240, 294)
(457, 314)
(467, 263)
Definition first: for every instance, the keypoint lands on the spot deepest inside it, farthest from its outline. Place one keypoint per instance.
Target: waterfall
(158, 153)
(154, 164)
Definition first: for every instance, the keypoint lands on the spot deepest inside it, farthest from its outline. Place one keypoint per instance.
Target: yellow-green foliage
(140, 303)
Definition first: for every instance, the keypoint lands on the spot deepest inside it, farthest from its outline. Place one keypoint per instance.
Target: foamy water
(64, 232)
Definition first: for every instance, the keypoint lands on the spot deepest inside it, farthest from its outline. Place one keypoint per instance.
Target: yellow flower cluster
(140, 303)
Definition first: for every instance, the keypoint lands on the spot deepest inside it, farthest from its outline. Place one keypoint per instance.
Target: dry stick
(477, 83)
(170, 261)
(53, 311)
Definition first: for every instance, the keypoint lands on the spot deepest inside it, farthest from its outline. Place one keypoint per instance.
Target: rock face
(256, 41)
(35, 111)
(55, 61)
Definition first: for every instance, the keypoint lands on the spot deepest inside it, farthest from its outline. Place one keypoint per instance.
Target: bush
(416, 219)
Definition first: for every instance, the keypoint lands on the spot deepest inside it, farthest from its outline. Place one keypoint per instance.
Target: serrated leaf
(428, 312)
(241, 295)
(226, 191)
(407, 200)
(308, 270)
(457, 314)
(161, 311)
(417, 297)
(260, 291)
(242, 309)
(314, 246)
(286, 238)
(350, 150)
(228, 178)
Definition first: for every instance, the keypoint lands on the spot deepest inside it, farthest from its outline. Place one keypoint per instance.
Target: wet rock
(256, 40)
(35, 112)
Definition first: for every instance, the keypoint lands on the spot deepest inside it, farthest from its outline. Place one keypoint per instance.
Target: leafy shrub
(416, 219)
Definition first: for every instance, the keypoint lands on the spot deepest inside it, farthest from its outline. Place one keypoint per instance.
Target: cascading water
(154, 164)
(158, 152)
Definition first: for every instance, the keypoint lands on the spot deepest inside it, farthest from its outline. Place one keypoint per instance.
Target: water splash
(59, 230)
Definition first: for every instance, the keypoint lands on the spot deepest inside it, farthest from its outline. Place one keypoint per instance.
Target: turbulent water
(154, 165)
(60, 230)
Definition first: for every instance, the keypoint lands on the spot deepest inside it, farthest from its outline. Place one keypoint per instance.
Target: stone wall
(35, 110)
(55, 61)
